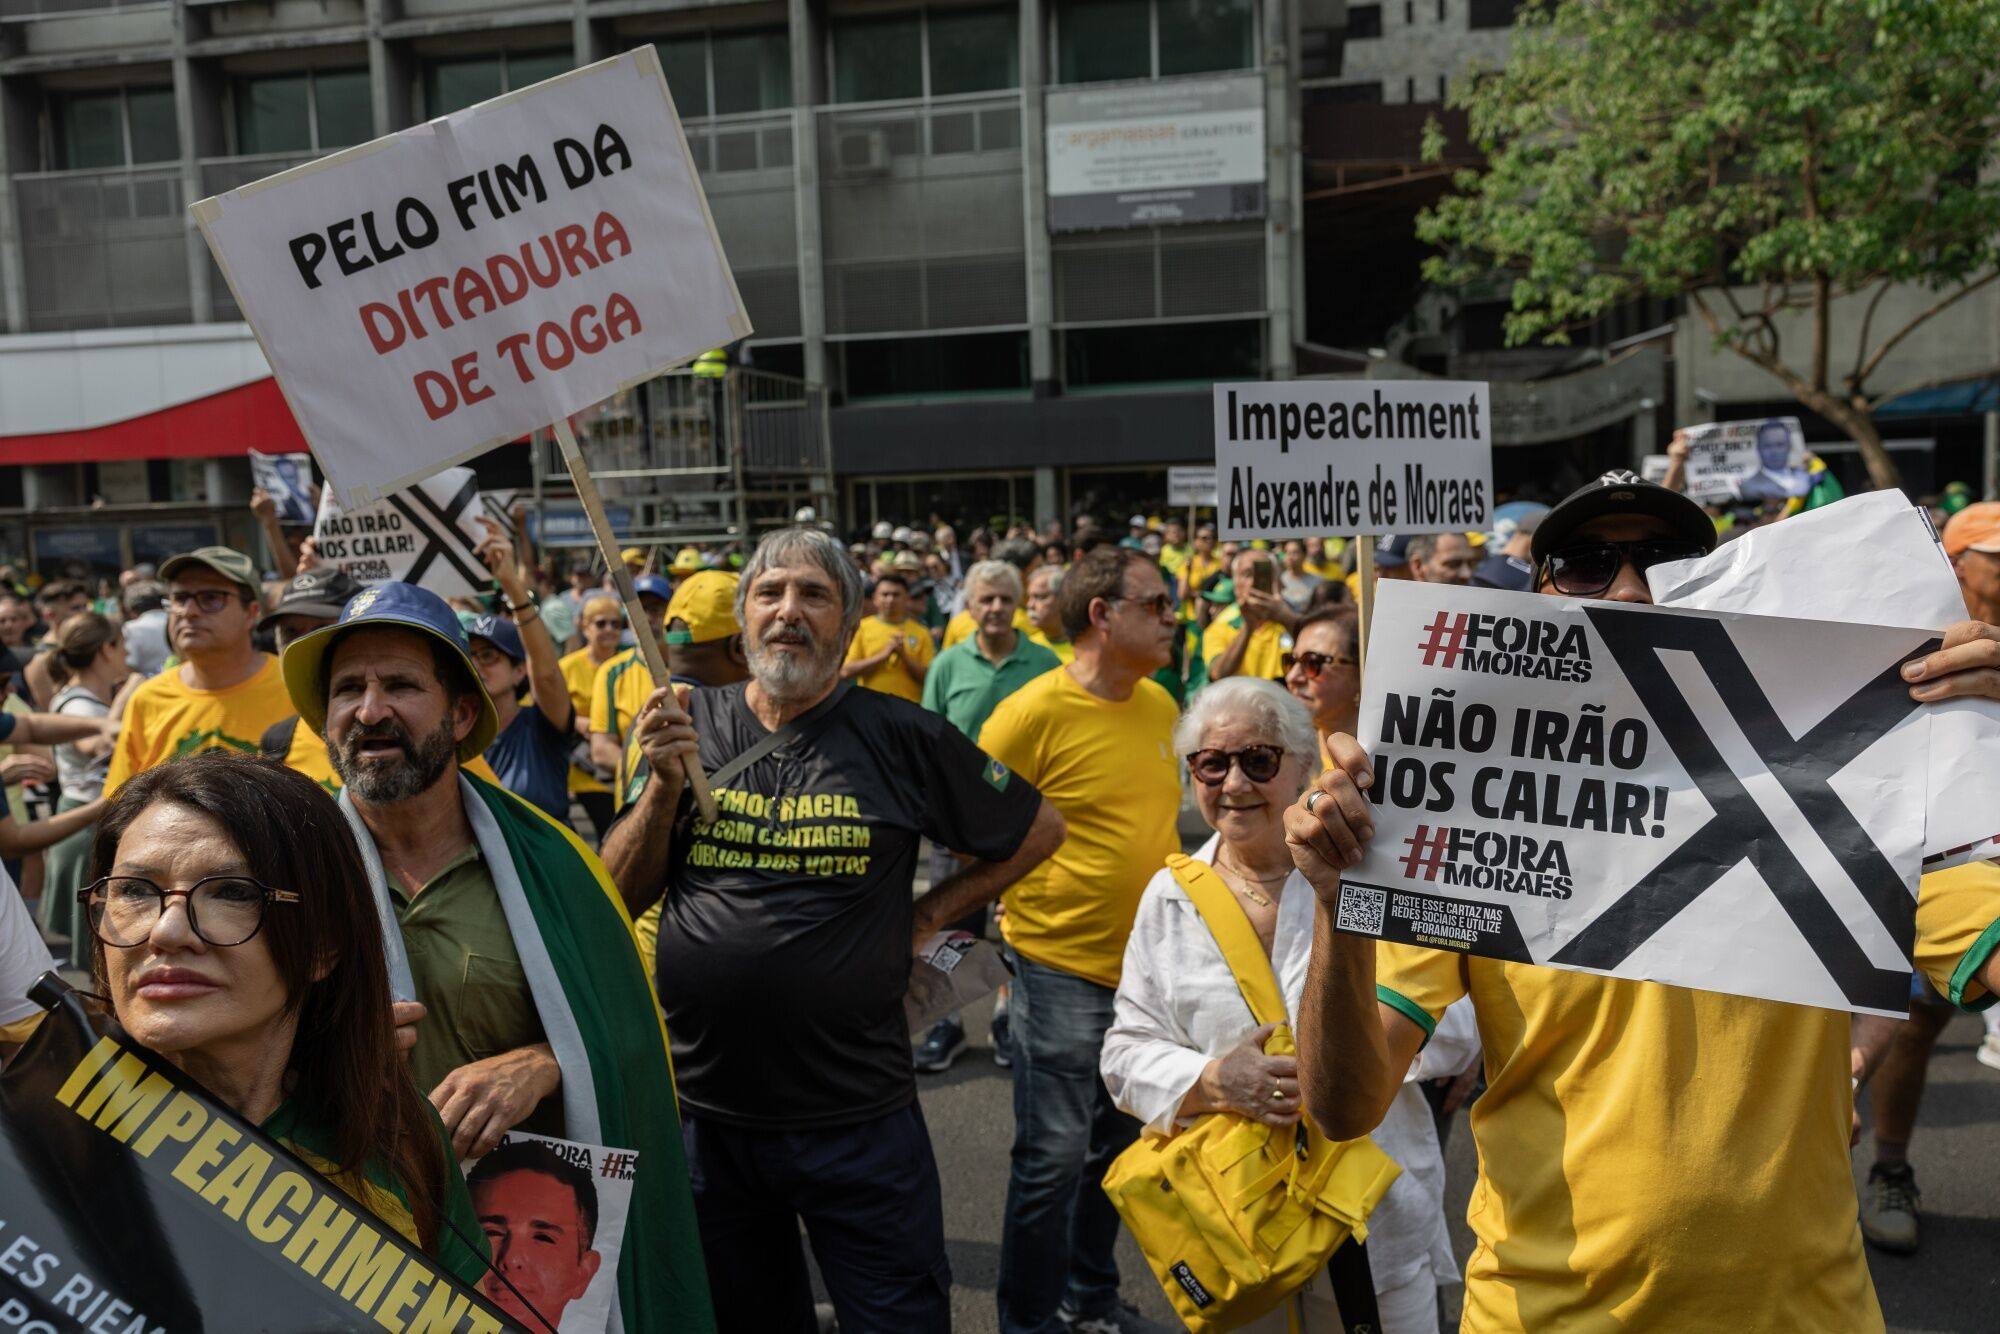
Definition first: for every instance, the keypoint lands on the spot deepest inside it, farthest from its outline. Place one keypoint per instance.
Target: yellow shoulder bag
(1233, 1215)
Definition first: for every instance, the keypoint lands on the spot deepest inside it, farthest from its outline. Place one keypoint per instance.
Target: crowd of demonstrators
(785, 945)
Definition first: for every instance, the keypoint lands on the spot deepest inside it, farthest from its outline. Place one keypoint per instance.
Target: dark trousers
(600, 807)
(869, 1197)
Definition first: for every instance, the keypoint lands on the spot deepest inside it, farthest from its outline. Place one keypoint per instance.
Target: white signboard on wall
(1143, 155)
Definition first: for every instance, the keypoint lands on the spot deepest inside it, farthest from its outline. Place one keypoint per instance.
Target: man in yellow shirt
(601, 622)
(622, 683)
(1095, 737)
(224, 694)
(1651, 1157)
(1045, 613)
(1174, 548)
(1202, 564)
(1252, 636)
(890, 652)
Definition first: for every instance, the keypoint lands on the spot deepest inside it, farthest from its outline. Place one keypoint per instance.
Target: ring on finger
(1312, 799)
(1277, 1093)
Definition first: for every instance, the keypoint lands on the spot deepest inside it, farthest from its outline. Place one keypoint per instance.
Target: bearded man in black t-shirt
(785, 948)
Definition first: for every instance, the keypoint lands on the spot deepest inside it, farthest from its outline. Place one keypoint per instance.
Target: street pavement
(1951, 1286)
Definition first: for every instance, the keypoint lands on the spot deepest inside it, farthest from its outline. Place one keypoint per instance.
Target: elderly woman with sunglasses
(1183, 1043)
(235, 936)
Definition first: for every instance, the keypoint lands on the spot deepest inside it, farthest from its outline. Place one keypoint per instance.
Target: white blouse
(1178, 1007)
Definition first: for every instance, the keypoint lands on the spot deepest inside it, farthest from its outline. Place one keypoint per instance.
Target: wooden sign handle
(1365, 564)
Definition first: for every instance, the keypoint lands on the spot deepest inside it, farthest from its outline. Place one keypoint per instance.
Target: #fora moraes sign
(426, 296)
(1304, 458)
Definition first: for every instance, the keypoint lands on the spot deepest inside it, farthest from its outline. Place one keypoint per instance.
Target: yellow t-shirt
(1194, 573)
(166, 719)
(1062, 648)
(1652, 1157)
(1172, 558)
(618, 691)
(892, 678)
(580, 673)
(307, 754)
(1268, 645)
(1109, 768)
(962, 626)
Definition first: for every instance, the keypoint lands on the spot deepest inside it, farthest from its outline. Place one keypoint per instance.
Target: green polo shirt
(964, 687)
(467, 973)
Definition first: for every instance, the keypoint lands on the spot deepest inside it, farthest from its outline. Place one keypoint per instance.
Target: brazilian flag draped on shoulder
(600, 1015)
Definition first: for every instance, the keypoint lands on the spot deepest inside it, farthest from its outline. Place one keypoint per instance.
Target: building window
(1152, 353)
(727, 73)
(1098, 40)
(888, 368)
(905, 56)
(307, 112)
(453, 85)
(1363, 22)
(1494, 13)
(126, 127)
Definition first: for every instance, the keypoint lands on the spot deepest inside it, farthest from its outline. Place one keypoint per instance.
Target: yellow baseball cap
(706, 603)
(633, 556)
(686, 561)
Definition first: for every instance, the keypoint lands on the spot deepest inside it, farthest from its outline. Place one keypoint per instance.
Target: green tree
(1761, 159)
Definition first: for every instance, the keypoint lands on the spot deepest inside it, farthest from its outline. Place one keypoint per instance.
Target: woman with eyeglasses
(234, 935)
(1183, 1043)
(1323, 668)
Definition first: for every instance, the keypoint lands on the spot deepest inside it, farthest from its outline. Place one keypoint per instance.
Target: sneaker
(1889, 1209)
(1124, 1318)
(1988, 1054)
(1002, 1034)
(941, 1046)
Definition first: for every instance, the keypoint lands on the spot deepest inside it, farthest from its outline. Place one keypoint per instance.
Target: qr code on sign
(1361, 910)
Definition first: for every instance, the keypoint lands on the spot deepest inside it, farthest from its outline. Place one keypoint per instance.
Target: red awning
(250, 417)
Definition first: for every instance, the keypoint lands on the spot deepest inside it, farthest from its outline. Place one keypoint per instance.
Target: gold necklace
(1243, 875)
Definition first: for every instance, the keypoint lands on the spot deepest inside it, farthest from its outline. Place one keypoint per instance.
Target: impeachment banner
(1301, 458)
(135, 1203)
(424, 535)
(1726, 802)
(453, 287)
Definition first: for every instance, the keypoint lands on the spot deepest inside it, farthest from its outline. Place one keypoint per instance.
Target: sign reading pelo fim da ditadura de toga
(1303, 458)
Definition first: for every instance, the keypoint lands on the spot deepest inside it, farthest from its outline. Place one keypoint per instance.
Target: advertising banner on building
(1155, 153)
(287, 480)
(424, 535)
(440, 291)
(136, 1202)
(1302, 458)
(1747, 461)
(554, 1211)
(1704, 799)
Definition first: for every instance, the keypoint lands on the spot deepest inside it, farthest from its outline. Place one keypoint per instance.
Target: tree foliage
(1761, 159)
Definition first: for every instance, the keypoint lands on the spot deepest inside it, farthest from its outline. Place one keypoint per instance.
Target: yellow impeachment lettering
(121, 1101)
(441, 1310)
(236, 1185)
(204, 1153)
(406, 1289)
(183, 1116)
(86, 1070)
(285, 1190)
(318, 1234)
(363, 1268)
(478, 1322)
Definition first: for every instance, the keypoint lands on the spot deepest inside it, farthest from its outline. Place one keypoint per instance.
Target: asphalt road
(1951, 1286)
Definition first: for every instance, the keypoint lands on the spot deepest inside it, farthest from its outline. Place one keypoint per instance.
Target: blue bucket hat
(658, 586)
(500, 632)
(402, 606)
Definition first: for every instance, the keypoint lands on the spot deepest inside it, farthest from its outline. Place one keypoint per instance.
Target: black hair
(528, 1155)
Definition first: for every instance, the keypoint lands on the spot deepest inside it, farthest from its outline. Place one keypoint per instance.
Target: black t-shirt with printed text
(784, 947)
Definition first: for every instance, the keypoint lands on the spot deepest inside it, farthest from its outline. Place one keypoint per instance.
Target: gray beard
(421, 766)
(788, 679)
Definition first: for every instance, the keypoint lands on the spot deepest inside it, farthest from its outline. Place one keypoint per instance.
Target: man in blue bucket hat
(502, 925)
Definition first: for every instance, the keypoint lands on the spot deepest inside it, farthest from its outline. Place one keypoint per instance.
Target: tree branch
(1861, 343)
(1889, 344)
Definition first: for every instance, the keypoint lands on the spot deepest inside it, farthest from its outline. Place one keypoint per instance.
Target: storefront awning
(1961, 398)
(249, 417)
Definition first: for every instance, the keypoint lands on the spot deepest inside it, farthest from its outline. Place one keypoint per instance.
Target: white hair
(993, 572)
(1278, 717)
(814, 546)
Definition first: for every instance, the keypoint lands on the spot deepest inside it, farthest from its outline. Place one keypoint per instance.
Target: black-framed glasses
(1260, 764)
(1159, 603)
(209, 600)
(1588, 568)
(1314, 663)
(607, 623)
(223, 910)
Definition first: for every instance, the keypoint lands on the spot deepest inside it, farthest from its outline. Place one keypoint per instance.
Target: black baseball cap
(321, 591)
(1622, 492)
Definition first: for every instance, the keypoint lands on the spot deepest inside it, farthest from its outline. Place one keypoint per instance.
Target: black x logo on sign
(1739, 830)
(443, 538)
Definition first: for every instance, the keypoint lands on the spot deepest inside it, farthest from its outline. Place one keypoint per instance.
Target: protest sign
(1303, 458)
(1748, 461)
(134, 1201)
(434, 293)
(287, 480)
(1654, 467)
(1189, 487)
(554, 1212)
(425, 535)
(1703, 799)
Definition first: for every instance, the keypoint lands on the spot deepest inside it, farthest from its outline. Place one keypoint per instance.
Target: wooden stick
(642, 629)
(1365, 564)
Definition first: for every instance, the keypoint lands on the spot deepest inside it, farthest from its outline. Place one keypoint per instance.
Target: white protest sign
(431, 294)
(535, 1197)
(424, 535)
(1864, 560)
(287, 480)
(1732, 803)
(1301, 458)
(1654, 467)
(1190, 486)
(1748, 460)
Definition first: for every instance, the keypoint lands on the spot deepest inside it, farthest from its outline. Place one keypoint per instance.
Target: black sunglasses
(1314, 663)
(1260, 764)
(1588, 568)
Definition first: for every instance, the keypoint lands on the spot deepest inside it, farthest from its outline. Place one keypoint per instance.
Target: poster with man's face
(553, 1212)
(1747, 461)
